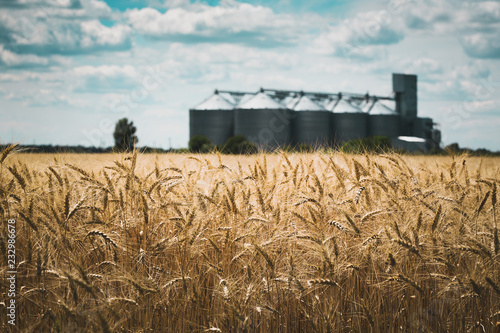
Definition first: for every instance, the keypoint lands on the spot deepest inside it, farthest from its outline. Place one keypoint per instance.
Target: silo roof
(291, 101)
(228, 97)
(245, 98)
(365, 105)
(330, 104)
(382, 109)
(261, 101)
(344, 106)
(306, 104)
(287, 99)
(214, 102)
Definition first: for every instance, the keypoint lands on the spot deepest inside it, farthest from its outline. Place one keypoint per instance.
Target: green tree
(247, 147)
(232, 144)
(239, 145)
(454, 148)
(125, 138)
(376, 144)
(200, 144)
(305, 148)
(353, 146)
(381, 144)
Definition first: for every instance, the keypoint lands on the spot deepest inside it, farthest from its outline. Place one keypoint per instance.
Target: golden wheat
(280, 242)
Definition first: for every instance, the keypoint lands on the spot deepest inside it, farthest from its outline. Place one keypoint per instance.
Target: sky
(69, 69)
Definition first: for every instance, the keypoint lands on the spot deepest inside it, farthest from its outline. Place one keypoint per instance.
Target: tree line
(126, 140)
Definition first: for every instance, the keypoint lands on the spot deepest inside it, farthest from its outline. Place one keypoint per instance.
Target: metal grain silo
(330, 103)
(383, 121)
(290, 101)
(264, 121)
(213, 118)
(228, 97)
(365, 105)
(311, 124)
(245, 98)
(348, 122)
(422, 127)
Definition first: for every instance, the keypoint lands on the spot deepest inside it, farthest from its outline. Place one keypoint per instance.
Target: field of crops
(263, 243)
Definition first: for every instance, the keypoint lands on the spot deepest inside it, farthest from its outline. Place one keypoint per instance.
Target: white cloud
(444, 89)
(359, 37)
(160, 112)
(475, 24)
(38, 3)
(105, 71)
(230, 22)
(482, 45)
(484, 12)
(10, 59)
(423, 66)
(19, 77)
(474, 70)
(229, 54)
(69, 28)
(39, 98)
(104, 78)
(85, 10)
(169, 3)
(431, 15)
(269, 80)
(74, 38)
(94, 34)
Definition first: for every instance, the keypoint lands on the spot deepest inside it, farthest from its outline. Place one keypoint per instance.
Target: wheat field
(265, 243)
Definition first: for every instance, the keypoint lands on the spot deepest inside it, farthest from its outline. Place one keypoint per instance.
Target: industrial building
(275, 118)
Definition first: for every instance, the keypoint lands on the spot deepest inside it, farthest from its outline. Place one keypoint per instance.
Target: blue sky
(69, 69)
